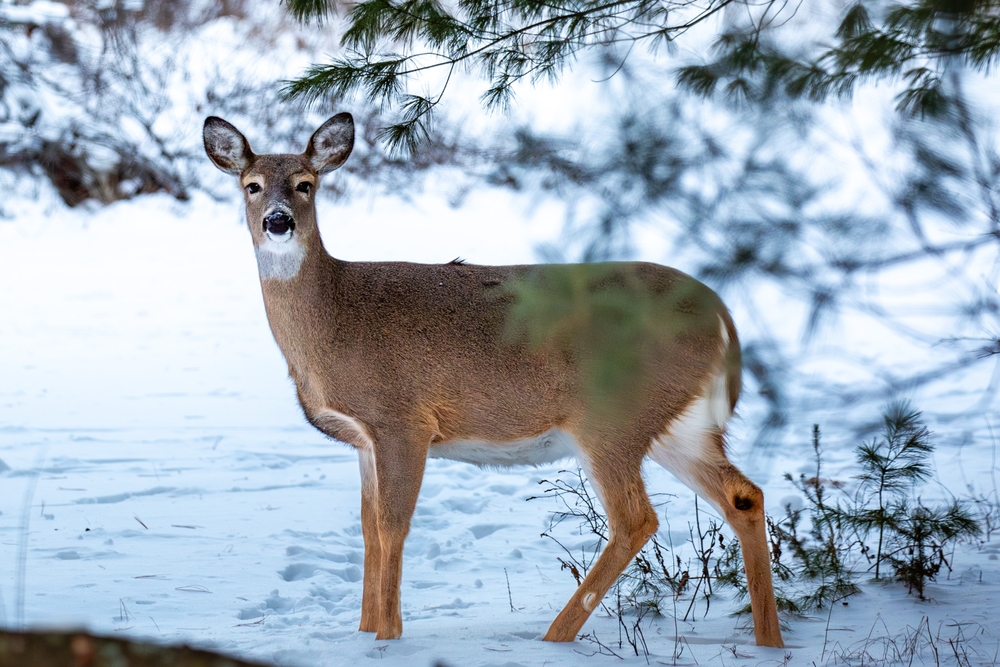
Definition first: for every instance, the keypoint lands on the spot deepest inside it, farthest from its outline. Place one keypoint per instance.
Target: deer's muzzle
(278, 224)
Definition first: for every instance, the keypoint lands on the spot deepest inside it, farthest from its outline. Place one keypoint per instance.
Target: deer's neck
(299, 282)
(292, 263)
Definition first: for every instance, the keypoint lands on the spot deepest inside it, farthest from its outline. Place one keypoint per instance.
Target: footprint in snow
(482, 530)
(454, 604)
(299, 571)
(466, 505)
(349, 557)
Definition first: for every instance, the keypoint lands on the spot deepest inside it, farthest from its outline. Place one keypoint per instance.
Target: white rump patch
(685, 445)
(279, 259)
(550, 446)
(685, 441)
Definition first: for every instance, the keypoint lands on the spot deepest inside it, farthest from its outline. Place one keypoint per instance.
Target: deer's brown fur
(404, 361)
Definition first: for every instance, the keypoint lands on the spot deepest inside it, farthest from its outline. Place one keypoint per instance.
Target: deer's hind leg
(695, 453)
(616, 473)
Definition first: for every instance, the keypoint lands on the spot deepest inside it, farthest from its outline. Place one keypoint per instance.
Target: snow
(163, 484)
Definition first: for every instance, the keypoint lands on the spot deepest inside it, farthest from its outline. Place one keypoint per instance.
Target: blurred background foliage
(830, 168)
(104, 101)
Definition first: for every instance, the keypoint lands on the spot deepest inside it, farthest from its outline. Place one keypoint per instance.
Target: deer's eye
(304, 186)
(253, 188)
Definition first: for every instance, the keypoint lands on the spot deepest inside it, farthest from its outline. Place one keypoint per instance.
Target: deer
(406, 361)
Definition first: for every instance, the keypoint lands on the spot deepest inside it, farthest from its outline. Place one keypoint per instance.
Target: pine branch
(507, 41)
(504, 43)
(917, 43)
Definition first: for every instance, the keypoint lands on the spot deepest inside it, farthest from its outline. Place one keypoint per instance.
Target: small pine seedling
(910, 537)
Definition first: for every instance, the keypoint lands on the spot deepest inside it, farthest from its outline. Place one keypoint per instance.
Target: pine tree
(892, 465)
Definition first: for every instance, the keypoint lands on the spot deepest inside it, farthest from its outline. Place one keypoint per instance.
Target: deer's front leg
(373, 548)
(399, 469)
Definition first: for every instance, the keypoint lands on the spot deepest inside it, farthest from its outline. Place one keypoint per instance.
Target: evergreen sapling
(909, 537)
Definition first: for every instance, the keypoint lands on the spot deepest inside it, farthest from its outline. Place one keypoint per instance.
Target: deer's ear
(226, 147)
(331, 144)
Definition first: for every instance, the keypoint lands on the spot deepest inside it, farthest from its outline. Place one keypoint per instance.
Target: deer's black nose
(278, 223)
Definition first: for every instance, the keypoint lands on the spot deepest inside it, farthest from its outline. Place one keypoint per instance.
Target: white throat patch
(279, 260)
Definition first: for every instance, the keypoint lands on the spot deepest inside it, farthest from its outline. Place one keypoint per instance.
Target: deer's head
(279, 189)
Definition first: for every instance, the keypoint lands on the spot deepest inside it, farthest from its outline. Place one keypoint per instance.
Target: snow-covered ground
(157, 479)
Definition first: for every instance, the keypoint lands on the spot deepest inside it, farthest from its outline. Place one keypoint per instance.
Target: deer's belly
(546, 448)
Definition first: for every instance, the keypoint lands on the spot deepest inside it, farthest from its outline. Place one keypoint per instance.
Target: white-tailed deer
(405, 361)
